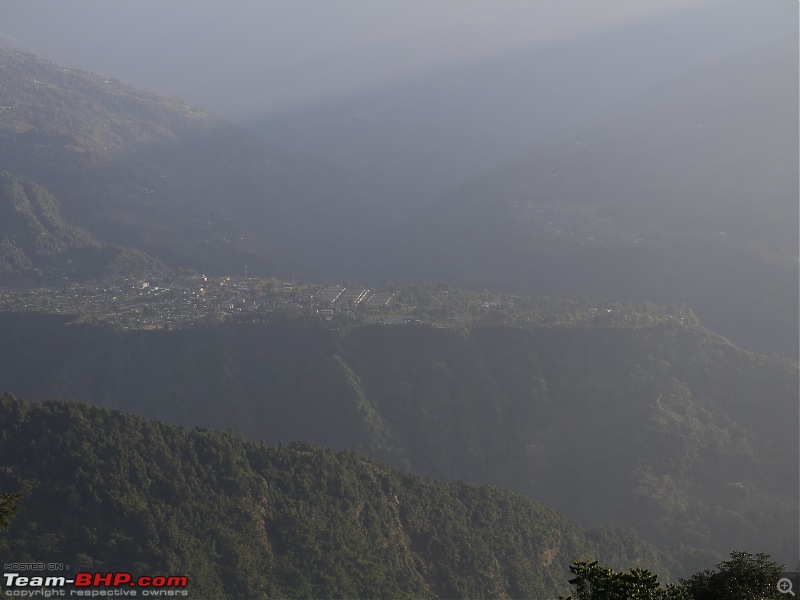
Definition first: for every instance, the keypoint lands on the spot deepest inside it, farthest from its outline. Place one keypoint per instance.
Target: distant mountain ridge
(690, 199)
(683, 190)
(707, 152)
(138, 170)
(415, 140)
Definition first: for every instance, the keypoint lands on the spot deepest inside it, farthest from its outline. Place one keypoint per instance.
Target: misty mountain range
(543, 173)
(418, 139)
(622, 212)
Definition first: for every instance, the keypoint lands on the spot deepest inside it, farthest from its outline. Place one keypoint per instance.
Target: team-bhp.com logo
(94, 585)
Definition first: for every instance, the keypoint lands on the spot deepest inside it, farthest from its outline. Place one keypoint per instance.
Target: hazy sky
(240, 57)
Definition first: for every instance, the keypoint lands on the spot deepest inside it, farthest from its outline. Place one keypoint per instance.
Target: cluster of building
(173, 302)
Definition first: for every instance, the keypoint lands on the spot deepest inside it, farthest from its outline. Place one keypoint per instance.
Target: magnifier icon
(785, 586)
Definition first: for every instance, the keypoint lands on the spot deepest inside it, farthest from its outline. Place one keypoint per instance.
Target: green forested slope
(34, 235)
(667, 428)
(105, 490)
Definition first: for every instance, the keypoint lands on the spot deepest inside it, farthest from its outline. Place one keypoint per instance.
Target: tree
(744, 577)
(593, 582)
(9, 504)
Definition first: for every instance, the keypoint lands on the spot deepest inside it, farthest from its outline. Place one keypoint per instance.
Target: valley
(439, 334)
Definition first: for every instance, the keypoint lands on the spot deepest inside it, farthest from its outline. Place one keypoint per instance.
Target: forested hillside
(665, 428)
(135, 169)
(246, 521)
(36, 241)
(559, 277)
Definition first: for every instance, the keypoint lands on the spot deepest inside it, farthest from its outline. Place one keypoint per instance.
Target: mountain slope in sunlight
(138, 170)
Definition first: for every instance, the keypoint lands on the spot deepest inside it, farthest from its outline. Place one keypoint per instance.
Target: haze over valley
(546, 257)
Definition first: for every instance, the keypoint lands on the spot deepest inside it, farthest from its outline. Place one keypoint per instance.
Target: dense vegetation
(593, 582)
(35, 237)
(744, 576)
(665, 428)
(247, 521)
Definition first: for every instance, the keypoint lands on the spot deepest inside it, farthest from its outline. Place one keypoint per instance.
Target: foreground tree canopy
(593, 582)
(744, 577)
